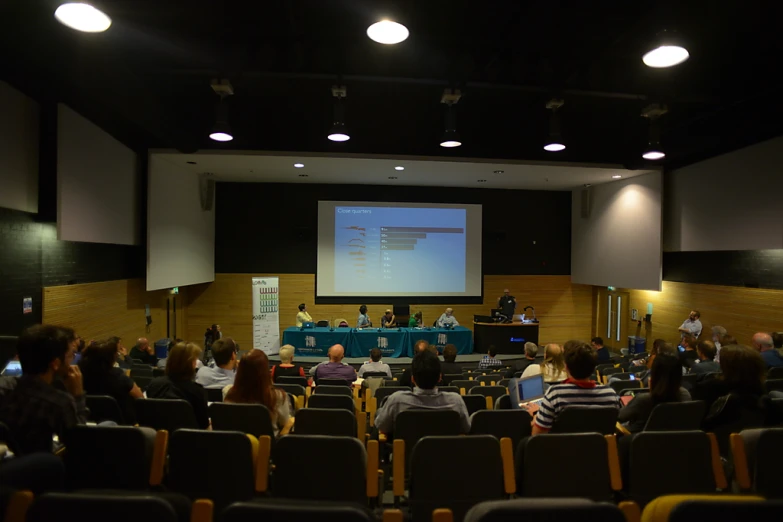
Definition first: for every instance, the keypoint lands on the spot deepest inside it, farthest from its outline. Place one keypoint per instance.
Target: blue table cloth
(315, 342)
(392, 343)
(460, 337)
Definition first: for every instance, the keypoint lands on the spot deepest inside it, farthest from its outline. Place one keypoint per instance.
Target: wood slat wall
(565, 309)
(742, 311)
(101, 310)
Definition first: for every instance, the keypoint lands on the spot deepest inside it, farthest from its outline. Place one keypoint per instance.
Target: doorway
(613, 318)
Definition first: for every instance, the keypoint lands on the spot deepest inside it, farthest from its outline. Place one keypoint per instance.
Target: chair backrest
(586, 419)
(670, 462)
(465, 384)
(343, 459)
(451, 389)
(504, 382)
(503, 403)
(367, 375)
(474, 403)
(142, 381)
(294, 389)
(287, 379)
(83, 506)
(328, 381)
(489, 391)
(332, 390)
(689, 380)
(447, 379)
(288, 512)
(323, 323)
(605, 366)
(217, 465)
(141, 371)
(764, 460)
(158, 372)
(331, 401)
(117, 457)
(165, 414)
(253, 419)
(676, 416)
(214, 394)
(542, 464)
(324, 421)
(620, 386)
(489, 379)
(384, 391)
(440, 479)
(730, 509)
(775, 373)
(774, 385)
(545, 509)
(514, 424)
(413, 425)
(611, 371)
(104, 408)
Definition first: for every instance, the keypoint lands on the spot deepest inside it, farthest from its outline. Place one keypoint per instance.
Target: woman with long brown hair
(253, 385)
(100, 377)
(553, 367)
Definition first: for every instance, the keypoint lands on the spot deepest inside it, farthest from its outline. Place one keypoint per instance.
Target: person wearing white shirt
(303, 317)
(447, 319)
(692, 325)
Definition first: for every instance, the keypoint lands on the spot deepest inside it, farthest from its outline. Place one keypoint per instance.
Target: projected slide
(399, 249)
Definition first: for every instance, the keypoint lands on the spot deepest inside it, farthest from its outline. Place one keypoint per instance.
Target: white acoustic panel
(18, 150)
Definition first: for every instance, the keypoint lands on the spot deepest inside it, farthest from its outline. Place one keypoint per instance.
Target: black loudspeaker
(586, 203)
(207, 189)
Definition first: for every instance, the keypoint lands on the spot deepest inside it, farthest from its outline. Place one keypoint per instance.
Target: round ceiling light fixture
(387, 32)
(221, 134)
(82, 17)
(666, 51)
(338, 133)
(554, 147)
(298, 165)
(399, 167)
(616, 176)
(653, 154)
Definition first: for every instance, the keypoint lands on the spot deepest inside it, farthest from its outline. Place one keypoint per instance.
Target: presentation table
(397, 342)
(506, 337)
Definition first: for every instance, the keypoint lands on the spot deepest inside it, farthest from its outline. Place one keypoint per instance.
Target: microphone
(533, 320)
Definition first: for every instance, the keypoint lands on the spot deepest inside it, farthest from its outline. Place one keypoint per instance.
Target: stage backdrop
(565, 309)
(266, 316)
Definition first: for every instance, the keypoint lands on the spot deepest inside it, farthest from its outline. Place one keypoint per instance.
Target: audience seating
(142, 382)
(376, 401)
(323, 421)
(465, 385)
(475, 403)
(503, 403)
(586, 419)
(323, 323)
(545, 510)
(774, 385)
(676, 416)
(446, 379)
(288, 379)
(494, 392)
(775, 373)
(689, 380)
(118, 508)
(326, 389)
(608, 372)
(556, 465)
(512, 424)
(332, 382)
(489, 380)
(383, 375)
(296, 390)
(104, 408)
(410, 426)
(165, 414)
(620, 386)
(450, 389)
(253, 419)
(758, 461)
(712, 508)
(140, 371)
(288, 512)
(331, 401)
(158, 372)
(504, 382)
(214, 394)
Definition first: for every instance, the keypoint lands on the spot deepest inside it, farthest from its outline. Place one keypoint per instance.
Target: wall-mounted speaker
(207, 189)
(586, 203)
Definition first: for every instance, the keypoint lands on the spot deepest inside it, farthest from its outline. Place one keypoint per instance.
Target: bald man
(447, 319)
(144, 352)
(335, 369)
(763, 343)
(507, 303)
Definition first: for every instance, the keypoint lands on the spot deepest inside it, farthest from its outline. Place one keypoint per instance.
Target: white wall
(729, 202)
(97, 184)
(620, 243)
(18, 150)
(180, 236)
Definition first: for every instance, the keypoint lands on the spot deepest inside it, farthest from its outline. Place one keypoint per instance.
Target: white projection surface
(398, 249)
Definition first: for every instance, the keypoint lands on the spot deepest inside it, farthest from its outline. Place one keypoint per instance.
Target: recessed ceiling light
(302, 175)
(387, 32)
(498, 172)
(665, 56)
(616, 176)
(392, 177)
(481, 180)
(82, 17)
(399, 167)
(191, 162)
(221, 136)
(654, 155)
(298, 165)
(554, 147)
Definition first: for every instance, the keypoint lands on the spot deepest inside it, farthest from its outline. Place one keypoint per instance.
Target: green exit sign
(175, 290)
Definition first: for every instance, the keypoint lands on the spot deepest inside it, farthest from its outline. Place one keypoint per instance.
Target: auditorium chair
(438, 480)
(331, 401)
(116, 507)
(384, 375)
(475, 403)
(758, 461)
(298, 512)
(165, 414)
(689, 380)
(140, 371)
(142, 382)
(214, 394)
(291, 379)
(637, 374)
(447, 379)
(323, 323)
(332, 382)
(104, 408)
(586, 419)
(253, 419)
(774, 385)
(512, 424)
(601, 367)
(296, 390)
(556, 466)
(465, 385)
(377, 398)
(450, 389)
(775, 373)
(324, 421)
(676, 416)
(608, 372)
(712, 508)
(503, 403)
(504, 382)
(489, 380)
(158, 372)
(545, 510)
(493, 392)
(326, 389)
(620, 386)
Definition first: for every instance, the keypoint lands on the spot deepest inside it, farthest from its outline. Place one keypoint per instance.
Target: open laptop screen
(531, 387)
(13, 369)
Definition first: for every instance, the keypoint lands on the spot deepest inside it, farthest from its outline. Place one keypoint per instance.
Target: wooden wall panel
(101, 310)
(565, 310)
(742, 311)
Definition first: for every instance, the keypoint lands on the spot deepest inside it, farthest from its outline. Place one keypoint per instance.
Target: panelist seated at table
(447, 319)
(388, 320)
(416, 321)
(335, 369)
(303, 317)
(364, 319)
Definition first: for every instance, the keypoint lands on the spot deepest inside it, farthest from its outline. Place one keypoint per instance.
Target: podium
(509, 338)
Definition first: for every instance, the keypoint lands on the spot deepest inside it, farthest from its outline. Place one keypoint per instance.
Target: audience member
(420, 346)
(577, 390)
(144, 352)
(425, 375)
(303, 317)
(553, 366)
(447, 319)
(717, 333)
(162, 362)
(364, 319)
(763, 343)
(224, 353)
(375, 364)
(335, 369)
(490, 360)
(688, 355)
(777, 340)
(102, 378)
(30, 406)
(692, 325)
(287, 368)
(388, 320)
(744, 373)
(178, 382)
(665, 386)
(212, 334)
(601, 351)
(416, 320)
(253, 385)
(706, 362)
(80, 345)
(449, 365)
(123, 359)
(531, 350)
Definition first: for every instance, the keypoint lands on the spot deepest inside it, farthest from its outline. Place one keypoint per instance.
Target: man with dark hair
(706, 352)
(33, 409)
(144, 352)
(577, 390)
(601, 351)
(489, 360)
(224, 353)
(426, 374)
(420, 346)
(692, 325)
(449, 365)
(375, 364)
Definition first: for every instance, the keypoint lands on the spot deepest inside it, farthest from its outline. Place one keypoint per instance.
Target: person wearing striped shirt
(489, 360)
(577, 390)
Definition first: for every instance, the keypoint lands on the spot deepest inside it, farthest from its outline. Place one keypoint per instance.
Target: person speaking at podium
(447, 319)
(303, 317)
(507, 304)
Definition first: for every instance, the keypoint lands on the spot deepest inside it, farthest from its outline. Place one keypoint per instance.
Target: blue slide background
(437, 263)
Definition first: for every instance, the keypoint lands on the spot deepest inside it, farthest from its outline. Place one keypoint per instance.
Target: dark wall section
(31, 258)
(273, 228)
(748, 268)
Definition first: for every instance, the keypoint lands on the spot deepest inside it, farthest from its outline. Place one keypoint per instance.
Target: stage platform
(466, 360)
